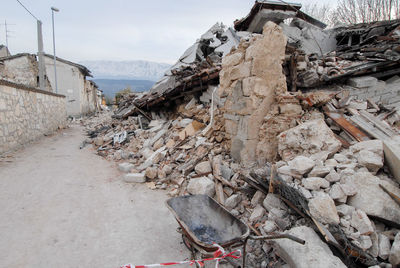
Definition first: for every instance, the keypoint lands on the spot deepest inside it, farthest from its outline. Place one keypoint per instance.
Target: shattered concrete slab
(314, 253)
(381, 205)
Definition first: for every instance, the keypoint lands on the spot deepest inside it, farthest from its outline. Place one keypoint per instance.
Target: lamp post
(53, 9)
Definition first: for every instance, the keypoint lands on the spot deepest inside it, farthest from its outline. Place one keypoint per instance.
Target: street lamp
(53, 9)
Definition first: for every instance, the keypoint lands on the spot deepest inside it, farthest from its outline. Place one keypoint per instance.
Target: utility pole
(40, 47)
(40, 55)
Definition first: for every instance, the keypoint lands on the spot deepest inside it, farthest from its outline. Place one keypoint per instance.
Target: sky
(156, 30)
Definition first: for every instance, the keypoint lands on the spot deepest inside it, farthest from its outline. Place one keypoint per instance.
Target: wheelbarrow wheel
(189, 246)
(186, 242)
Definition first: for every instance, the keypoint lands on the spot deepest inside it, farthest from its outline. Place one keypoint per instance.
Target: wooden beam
(346, 125)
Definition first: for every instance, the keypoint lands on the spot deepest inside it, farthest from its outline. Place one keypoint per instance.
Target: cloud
(157, 30)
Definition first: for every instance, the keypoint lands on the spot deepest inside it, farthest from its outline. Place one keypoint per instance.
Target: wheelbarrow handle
(278, 236)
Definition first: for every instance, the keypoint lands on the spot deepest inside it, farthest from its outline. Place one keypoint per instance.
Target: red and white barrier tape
(218, 255)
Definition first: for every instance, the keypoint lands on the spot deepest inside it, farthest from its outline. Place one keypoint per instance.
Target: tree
(109, 100)
(365, 11)
(122, 93)
(320, 12)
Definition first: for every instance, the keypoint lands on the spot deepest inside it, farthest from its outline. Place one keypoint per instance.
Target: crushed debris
(285, 139)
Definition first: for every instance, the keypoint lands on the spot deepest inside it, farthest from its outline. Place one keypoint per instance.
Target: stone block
(394, 257)
(135, 178)
(272, 201)
(384, 246)
(301, 165)
(319, 171)
(256, 86)
(333, 176)
(336, 193)
(323, 209)
(257, 198)
(257, 213)
(240, 71)
(233, 59)
(125, 167)
(307, 139)
(232, 201)
(372, 161)
(151, 172)
(362, 82)
(203, 167)
(231, 127)
(190, 129)
(361, 222)
(375, 146)
(201, 185)
(269, 226)
(345, 210)
(315, 183)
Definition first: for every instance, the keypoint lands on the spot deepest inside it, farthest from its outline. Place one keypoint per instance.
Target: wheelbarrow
(204, 221)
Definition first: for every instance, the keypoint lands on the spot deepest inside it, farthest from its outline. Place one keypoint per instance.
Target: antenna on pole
(7, 32)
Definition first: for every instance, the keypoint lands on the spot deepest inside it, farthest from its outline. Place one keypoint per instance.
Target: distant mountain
(112, 86)
(137, 70)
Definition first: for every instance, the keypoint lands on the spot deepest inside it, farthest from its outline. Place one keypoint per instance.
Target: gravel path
(65, 207)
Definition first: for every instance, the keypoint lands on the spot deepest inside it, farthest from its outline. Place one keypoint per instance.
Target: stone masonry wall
(27, 113)
(250, 80)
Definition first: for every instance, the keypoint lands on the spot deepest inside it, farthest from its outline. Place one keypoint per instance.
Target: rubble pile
(180, 154)
(361, 49)
(320, 164)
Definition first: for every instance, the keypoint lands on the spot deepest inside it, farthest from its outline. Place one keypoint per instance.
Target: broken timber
(196, 82)
(347, 126)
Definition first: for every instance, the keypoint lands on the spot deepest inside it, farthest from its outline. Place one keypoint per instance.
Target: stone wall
(89, 99)
(22, 69)
(28, 113)
(251, 79)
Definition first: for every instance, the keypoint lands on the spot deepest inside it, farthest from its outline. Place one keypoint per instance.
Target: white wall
(70, 83)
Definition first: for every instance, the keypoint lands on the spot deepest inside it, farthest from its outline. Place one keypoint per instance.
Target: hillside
(112, 86)
(136, 70)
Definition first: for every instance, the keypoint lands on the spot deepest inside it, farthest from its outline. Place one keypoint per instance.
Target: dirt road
(65, 207)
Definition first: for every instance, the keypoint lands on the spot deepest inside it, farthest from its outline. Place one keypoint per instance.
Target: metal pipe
(278, 236)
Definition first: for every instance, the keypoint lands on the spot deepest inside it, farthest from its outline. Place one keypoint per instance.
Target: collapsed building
(290, 126)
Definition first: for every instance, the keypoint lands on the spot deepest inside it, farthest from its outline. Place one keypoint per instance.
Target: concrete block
(394, 99)
(376, 99)
(362, 82)
(392, 157)
(393, 79)
(362, 96)
(371, 94)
